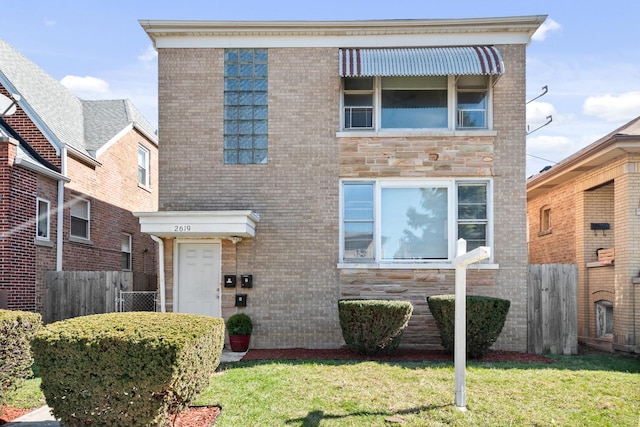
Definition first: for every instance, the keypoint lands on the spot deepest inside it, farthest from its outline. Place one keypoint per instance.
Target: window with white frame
(471, 102)
(143, 166)
(43, 215)
(126, 252)
(413, 221)
(416, 102)
(80, 216)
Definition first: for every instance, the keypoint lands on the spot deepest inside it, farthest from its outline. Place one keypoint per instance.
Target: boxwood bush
(126, 369)
(16, 330)
(485, 319)
(373, 327)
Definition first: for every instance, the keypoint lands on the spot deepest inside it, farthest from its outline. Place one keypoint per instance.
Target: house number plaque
(181, 228)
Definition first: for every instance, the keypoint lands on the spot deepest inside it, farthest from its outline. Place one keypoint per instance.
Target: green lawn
(595, 390)
(575, 391)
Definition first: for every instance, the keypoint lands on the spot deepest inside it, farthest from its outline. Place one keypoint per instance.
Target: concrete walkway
(42, 417)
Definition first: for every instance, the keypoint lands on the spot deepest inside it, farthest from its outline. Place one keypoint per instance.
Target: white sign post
(462, 260)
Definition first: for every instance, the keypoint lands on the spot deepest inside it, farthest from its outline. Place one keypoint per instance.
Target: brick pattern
(557, 245)
(607, 194)
(17, 230)
(294, 255)
(113, 192)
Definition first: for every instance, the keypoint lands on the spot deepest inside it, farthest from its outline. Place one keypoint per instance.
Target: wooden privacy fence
(552, 308)
(79, 293)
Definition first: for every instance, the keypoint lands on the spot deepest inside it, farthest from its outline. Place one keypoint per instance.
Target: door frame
(176, 269)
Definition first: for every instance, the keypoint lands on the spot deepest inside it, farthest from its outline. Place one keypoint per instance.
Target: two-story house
(304, 162)
(71, 173)
(585, 210)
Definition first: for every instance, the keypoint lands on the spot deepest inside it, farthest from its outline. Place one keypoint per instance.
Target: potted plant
(239, 327)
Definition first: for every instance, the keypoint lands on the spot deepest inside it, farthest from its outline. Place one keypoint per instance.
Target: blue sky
(587, 54)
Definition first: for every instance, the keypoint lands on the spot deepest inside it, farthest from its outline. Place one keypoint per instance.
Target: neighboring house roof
(107, 118)
(27, 157)
(62, 117)
(624, 140)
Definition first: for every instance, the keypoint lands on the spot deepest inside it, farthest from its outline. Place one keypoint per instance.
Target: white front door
(198, 287)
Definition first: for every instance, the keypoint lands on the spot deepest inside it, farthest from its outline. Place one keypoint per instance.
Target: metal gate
(136, 301)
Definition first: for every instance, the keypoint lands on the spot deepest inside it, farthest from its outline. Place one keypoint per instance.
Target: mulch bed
(403, 355)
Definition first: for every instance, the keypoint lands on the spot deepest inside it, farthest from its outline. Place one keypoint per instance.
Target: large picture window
(413, 221)
(245, 106)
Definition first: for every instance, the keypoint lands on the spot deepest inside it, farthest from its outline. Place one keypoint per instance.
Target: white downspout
(60, 222)
(161, 284)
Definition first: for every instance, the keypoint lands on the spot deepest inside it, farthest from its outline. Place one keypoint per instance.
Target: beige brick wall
(294, 255)
(510, 247)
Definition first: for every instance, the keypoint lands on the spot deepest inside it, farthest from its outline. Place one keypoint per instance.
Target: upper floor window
(126, 252)
(245, 106)
(143, 166)
(410, 221)
(471, 102)
(413, 102)
(545, 221)
(43, 221)
(80, 215)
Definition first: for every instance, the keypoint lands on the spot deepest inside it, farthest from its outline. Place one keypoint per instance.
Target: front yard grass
(594, 390)
(575, 391)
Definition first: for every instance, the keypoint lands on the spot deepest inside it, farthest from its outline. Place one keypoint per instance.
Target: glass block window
(245, 106)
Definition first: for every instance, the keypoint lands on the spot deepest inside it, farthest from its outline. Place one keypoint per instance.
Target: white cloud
(537, 112)
(148, 55)
(85, 87)
(545, 150)
(548, 26)
(613, 108)
(551, 145)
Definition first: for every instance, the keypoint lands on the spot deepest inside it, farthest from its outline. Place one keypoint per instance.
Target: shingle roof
(104, 119)
(83, 125)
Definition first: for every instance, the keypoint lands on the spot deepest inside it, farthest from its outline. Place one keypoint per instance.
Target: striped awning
(426, 61)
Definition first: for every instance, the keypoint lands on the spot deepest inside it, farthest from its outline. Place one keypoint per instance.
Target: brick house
(326, 160)
(71, 173)
(585, 211)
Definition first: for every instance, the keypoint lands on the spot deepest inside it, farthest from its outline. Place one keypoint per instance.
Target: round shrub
(126, 369)
(485, 320)
(373, 327)
(16, 330)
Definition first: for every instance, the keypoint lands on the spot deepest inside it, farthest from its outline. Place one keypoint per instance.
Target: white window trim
(147, 160)
(88, 219)
(452, 111)
(130, 251)
(47, 216)
(451, 185)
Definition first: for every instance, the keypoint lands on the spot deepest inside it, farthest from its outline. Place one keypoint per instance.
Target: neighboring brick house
(336, 160)
(71, 173)
(585, 210)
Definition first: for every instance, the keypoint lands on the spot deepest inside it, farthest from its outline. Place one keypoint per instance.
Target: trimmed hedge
(485, 320)
(126, 369)
(16, 330)
(373, 327)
